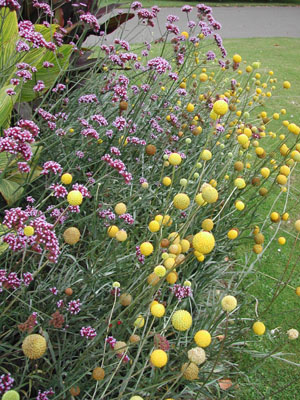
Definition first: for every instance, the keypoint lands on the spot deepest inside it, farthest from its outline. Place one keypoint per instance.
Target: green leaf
(46, 32)
(8, 37)
(6, 105)
(3, 231)
(11, 191)
(60, 59)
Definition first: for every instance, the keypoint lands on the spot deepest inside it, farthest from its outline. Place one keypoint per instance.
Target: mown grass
(179, 3)
(274, 379)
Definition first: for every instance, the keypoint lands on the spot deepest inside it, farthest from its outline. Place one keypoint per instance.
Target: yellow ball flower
(265, 172)
(112, 231)
(66, 178)
(209, 194)
(185, 245)
(242, 139)
(199, 199)
(220, 107)
(297, 225)
(158, 358)
(282, 240)
(34, 346)
(120, 208)
(237, 58)
(206, 155)
(190, 371)
(11, 395)
(146, 248)
(166, 181)
(240, 183)
(204, 242)
(154, 226)
(136, 398)
(190, 107)
(203, 78)
(71, 235)
(74, 198)
(158, 310)
(182, 320)
(202, 338)
(286, 85)
(239, 205)
(207, 224)
(197, 355)
(160, 271)
(175, 159)
(28, 230)
(181, 201)
(98, 374)
(229, 303)
(184, 34)
(232, 234)
(258, 328)
(294, 129)
(139, 322)
(121, 235)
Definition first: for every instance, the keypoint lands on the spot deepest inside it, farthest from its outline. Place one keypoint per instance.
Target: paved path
(237, 22)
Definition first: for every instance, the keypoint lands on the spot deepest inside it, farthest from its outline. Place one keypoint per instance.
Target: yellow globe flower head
(121, 235)
(34, 346)
(136, 398)
(185, 245)
(294, 128)
(297, 225)
(239, 205)
(167, 220)
(282, 240)
(197, 355)
(275, 216)
(146, 248)
(184, 34)
(71, 235)
(182, 320)
(203, 78)
(112, 231)
(220, 107)
(199, 200)
(120, 208)
(214, 116)
(11, 395)
(286, 85)
(240, 183)
(158, 310)
(74, 198)
(166, 181)
(28, 230)
(98, 374)
(154, 226)
(237, 58)
(228, 303)
(265, 172)
(172, 277)
(232, 234)
(181, 201)
(190, 107)
(209, 193)
(175, 159)
(159, 358)
(202, 338)
(207, 224)
(160, 271)
(139, 322)
(204, 242)
(66, 178)
(258, 328)
(190, 371)
(242, 139)
(206, 155)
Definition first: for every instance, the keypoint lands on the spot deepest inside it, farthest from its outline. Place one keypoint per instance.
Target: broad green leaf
(20, 178)
(6, 105)
(60, 59)
(11, 191)
(3, 230)
(46, 32)
(8, 37)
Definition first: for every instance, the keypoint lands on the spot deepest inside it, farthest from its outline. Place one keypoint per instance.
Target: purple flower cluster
(139, 255)
(11, 280)
(128, 218)
(181, 291)
(27, 32)
(88, 332)
(6, 381)
(43, 6)
(51, 166)
(159, 64)
(13, 5)
(58, 190)
(44, 395)
(88, 98)
(119, 166)
(91, 20)
(74, 306)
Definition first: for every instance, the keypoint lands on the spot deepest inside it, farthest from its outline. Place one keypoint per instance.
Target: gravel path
(237, 22)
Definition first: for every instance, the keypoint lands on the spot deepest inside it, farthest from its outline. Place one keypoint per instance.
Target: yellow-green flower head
(202, 338)
(190, 371)
(258, 328)
(116, 284)
(136, 398)
(120, 208)
(74, 198)
(197, 355)
(229, 303)
(146, 248)
(204, 242)
(209, 193)
(66, 178)
(237, 58)
(34, 346)
(159, 358)
(154, 226)
(139, 322)
(206, 155)
(182, 320)
(160, 271)
(293, 334)
(187, 283)
(240, 183)
(294, 129)
(181, 201)
(28, 230)
(175, 159)
(11, 395)
(190, 107)
(220, 107)
(158, 310)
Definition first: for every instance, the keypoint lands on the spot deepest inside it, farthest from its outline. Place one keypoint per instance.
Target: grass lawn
(264, 379)
(179, 3)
